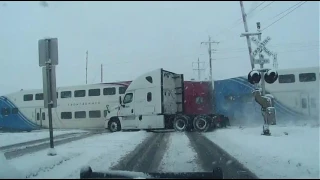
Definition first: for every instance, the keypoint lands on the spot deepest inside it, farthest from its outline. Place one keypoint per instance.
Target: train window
(28, 97)
(149, 79)
(287, 78)
(43, 116)
(109, 91)
(304, 103)
(149, 97)
(128, 98)
(38, 116)
(80, 93)
(79, 114)
(57, 95)
(122, 90)
(94, 92)
(95, 114)
(307, 77)
(39, 96)
(65, 94)
(14, 110)
(66, 115)
(199, 100)
(5, 111)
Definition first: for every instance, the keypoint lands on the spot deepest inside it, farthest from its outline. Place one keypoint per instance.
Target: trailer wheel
(201, 123)
(114, 125)
(180, 123)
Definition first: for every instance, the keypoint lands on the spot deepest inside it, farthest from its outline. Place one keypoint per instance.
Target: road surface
(147, 156)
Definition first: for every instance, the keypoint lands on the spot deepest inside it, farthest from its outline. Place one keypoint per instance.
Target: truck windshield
(128, 98)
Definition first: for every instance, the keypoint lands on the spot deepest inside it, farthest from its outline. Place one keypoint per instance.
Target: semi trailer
(157, 100)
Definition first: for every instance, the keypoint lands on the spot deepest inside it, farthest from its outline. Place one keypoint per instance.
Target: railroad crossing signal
(262, 47)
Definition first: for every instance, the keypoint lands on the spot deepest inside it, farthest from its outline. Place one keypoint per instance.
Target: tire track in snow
(180, 155)
(146, 156)
(211, 155)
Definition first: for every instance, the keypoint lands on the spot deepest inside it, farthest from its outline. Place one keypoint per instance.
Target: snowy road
(181, 152)
(17, 150)
(184, 152)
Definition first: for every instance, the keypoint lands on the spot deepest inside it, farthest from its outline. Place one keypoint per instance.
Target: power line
(266, 6)
(284, 16)
(282, 52)
(256, 7)
(244, 49)
(285, 10)
(239, 21)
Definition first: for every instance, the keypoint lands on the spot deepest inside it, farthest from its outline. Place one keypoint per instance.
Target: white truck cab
(147, 100)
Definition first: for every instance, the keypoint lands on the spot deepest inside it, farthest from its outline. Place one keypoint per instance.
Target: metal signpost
(266, 103)
(48, 59)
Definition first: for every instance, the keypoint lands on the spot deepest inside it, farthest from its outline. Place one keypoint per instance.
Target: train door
(38, 116)
(314, 107)
(305, 108)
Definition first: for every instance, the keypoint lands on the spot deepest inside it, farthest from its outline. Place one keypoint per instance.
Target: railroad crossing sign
(262, 47)
(261, 61)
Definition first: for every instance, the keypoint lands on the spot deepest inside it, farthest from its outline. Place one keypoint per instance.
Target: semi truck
(157, 100)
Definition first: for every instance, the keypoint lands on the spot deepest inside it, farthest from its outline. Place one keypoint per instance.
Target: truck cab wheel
(114, 125)
(201, 123)
(180, 123)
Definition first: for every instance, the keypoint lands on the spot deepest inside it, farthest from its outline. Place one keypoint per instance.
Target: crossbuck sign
(262, 47)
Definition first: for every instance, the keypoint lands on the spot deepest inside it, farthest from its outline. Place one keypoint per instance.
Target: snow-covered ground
(14, 138)
(180, 155)
(100, 152)
(295, 155)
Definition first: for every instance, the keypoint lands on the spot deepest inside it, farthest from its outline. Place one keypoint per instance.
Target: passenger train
(296, 94)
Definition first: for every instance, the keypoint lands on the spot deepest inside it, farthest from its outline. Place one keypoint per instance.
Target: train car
(296, 94)
(77, 107)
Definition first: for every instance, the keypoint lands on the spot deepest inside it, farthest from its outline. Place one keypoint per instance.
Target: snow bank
(100, 152)
(20, 137)
(291, 152)
(180, 155)
(7, 171)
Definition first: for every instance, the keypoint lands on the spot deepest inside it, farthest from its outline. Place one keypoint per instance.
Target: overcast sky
(131, 38)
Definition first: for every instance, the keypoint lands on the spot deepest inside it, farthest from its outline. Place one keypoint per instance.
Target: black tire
(180, 123)
(201, 123)
(114, 125)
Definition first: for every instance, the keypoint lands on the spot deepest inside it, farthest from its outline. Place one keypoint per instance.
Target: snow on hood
(7, 171)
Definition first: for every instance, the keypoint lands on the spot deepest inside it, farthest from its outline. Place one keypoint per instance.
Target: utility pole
(244, 17)
(87, 67)
(101, 73)
(198, 69)
(210, 54)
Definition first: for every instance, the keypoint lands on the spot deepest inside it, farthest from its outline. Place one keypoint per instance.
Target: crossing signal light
(254, 77)
(271, 76)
